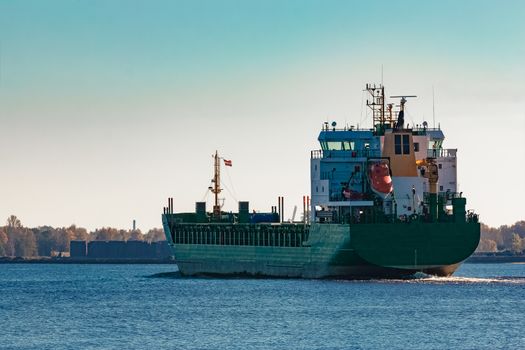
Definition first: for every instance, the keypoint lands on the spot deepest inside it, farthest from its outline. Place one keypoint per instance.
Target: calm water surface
(150, 307)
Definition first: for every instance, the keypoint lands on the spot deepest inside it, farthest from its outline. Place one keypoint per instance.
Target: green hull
(321, 250)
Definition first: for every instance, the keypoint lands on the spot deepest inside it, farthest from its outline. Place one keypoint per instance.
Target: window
(322, 189)
(440, 166)
(397, 144)
(316, 189)
(416, 146)
(406, 145)
(402, 144)
(335, 145)
(348, 145)
(441, 188)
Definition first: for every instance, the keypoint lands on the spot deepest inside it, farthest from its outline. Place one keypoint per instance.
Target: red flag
(227, 162)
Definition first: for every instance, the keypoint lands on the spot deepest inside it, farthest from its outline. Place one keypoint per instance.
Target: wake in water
(473, 280)
(417, 278)
(424, 278)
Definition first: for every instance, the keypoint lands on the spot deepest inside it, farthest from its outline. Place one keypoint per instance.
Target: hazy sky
(109, 107)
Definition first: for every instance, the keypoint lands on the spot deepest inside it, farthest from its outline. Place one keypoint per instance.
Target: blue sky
(109, 107)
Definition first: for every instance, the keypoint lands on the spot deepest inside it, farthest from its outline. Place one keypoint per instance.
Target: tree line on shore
(504, 238)
(20, 241)
(17, 240)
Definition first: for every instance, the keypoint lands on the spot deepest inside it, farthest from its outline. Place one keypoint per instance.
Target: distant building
(78, 249)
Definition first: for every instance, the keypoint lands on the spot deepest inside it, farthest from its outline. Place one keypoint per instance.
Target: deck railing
(442, 153)
(364, 153)
(283, 235)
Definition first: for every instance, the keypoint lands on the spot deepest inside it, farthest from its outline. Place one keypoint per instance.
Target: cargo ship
(384, 203)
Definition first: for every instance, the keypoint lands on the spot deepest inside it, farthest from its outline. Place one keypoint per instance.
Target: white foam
(423, 278)
(470, 280)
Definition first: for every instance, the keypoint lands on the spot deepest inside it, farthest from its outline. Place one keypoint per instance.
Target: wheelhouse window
(401, 144)
(338, 145)
(334, 145)
(406, 144)
(397, 144)
(348, 145)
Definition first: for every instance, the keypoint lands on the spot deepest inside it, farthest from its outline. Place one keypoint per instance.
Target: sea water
(153, 307)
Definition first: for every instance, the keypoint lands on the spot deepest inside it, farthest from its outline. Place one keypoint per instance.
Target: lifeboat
(380, 180)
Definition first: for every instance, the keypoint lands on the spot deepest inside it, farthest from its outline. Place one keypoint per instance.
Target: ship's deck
(274, 235)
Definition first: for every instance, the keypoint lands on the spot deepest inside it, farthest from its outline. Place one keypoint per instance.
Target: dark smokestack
(279, 207)
(170, 205)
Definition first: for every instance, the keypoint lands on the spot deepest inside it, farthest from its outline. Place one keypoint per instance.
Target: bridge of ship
(342, 162)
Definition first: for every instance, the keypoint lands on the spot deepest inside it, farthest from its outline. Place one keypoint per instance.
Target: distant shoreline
(495, 259)
(48, 260)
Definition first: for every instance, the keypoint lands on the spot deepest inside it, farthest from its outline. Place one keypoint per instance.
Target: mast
(216, 189)
(377, 103)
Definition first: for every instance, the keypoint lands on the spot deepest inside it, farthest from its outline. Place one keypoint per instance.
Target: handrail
(442, 153)
(364, 153)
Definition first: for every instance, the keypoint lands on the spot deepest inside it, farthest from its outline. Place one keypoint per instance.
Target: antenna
(433, 110)
(403, 99)
(401, 116)
(377, 104)
(382, 74)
